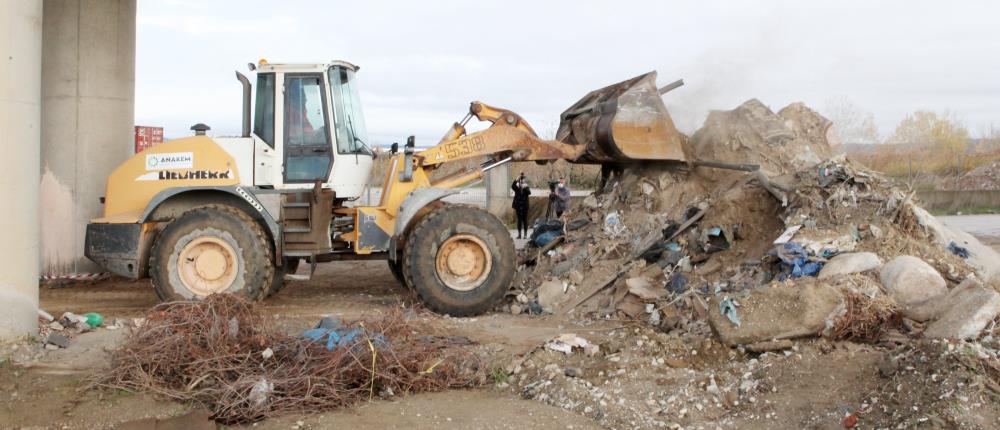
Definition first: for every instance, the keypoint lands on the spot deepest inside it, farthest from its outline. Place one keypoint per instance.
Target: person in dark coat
(520, 204)
(560, 198)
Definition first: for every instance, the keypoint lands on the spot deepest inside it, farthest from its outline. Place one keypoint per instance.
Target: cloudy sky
(422, 62)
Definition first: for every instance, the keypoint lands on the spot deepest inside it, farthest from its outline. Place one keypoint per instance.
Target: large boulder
(964, 312)
(550, 294)
(911, 282)
(779, 312)
(853, 262)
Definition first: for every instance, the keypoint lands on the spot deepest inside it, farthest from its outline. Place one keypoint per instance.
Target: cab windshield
(352, 136)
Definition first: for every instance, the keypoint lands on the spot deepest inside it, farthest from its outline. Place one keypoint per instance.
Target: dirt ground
(47, 393)
(798, 389)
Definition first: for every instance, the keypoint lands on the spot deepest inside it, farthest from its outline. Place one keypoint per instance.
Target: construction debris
(741, 252)
(735, 268)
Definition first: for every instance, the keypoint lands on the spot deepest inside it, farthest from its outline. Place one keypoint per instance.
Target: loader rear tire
(211, 249)
(459, 260)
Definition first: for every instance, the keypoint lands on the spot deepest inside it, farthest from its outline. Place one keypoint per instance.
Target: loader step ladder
(305, 227)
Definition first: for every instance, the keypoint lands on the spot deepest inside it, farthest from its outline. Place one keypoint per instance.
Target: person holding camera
(520, 204)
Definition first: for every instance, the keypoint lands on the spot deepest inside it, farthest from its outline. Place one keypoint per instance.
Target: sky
(422, 62)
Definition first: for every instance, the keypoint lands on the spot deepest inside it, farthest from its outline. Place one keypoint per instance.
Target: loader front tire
(211, 249)
(459, 260)
(397, 271)
(291, 266)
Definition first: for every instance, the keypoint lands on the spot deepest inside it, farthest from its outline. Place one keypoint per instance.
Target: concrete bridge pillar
(498, 190)
(88, 103)
(20, 119)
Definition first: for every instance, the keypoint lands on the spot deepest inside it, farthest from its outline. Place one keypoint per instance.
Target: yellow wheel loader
(203, 215)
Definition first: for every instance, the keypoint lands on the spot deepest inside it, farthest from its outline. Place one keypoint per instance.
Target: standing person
(560, 198)
(520, 204)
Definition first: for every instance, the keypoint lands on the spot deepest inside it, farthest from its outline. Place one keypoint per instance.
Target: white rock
(853, 262)
(910, 281)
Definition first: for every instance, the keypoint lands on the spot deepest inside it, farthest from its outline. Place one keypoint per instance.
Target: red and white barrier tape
(77, 277)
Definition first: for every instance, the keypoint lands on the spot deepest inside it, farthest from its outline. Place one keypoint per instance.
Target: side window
(304, 119)
(263, 119)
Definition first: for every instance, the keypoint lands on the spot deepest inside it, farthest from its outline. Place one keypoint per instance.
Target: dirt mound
(794, 138)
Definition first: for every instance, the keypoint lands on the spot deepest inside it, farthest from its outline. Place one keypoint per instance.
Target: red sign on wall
(147, 136)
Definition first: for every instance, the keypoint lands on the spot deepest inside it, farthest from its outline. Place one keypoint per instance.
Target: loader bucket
(621, 123)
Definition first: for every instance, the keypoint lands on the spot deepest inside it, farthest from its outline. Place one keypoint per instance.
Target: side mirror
(394, 148)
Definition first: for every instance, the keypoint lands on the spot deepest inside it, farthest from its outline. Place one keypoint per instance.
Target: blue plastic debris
(728, 309)
(960, 251)
(543, 227)
(810, 268)
(544, 238)
(339, 335)
(795, 261)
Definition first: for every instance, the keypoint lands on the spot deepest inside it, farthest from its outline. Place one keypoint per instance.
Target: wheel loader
(203, 215)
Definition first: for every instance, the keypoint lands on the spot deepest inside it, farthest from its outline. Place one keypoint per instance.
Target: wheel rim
(463, 262)
(207, 265)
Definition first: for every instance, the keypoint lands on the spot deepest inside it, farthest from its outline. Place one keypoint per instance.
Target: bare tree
(990, 138)
(853, 124)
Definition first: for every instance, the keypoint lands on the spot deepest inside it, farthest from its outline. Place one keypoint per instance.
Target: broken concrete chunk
(643, 288)
(965, 312)
(550, 293)
(854, 262)
(910, 281)
(779, 312)
(631, 306)
(983, 258)
(57, 340)
(566, 343)
(516, 309)
(931, 309)
(563, 267)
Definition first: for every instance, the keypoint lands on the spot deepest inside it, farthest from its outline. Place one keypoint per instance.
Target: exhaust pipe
(246, 103)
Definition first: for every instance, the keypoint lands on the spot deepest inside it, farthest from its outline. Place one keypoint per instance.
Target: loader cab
(308, 126)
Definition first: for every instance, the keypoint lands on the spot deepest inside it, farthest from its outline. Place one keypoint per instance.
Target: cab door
(307, 142)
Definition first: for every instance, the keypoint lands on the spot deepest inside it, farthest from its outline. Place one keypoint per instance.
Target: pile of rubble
(807, 246)
(985, 177)
(801, 247)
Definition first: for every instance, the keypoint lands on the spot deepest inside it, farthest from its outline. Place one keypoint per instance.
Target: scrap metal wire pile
(222, 353)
